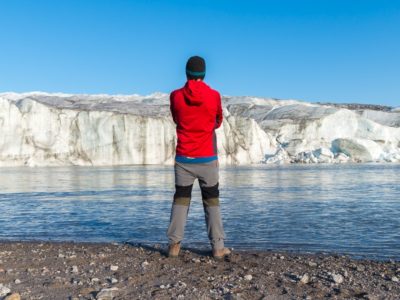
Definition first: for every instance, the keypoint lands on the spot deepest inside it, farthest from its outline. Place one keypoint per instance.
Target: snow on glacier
(43, 129)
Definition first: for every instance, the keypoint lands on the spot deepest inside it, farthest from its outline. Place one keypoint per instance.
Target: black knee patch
(183, 191)
(208, 192)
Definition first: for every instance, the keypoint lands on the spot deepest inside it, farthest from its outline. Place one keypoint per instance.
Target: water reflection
(353, 209)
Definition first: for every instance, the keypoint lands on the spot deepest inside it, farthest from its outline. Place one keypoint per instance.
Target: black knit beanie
(195, 68)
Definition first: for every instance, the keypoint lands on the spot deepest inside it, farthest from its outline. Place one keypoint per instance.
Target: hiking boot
(174, 249)
(221, 253)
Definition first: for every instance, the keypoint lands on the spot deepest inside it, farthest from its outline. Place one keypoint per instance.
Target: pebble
(145, 264)
(360, 268)
(220, 283)
(107, 294)
(113, 268)
(4, 290)
(248, 277)
(223, 290)
(180, 285)
(305, 279)
(74, 269)
(13, 296)
(270, 273)
(312, 264)
(95, 279)
(337, 278)
(165, 286)
(231, 296)
(114, 280)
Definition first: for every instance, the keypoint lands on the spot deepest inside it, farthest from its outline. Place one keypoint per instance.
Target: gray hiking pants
(185, 175)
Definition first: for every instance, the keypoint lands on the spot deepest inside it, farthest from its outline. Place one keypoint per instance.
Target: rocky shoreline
(66, 270)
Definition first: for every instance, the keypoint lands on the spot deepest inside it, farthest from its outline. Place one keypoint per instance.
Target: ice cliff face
(40, 129)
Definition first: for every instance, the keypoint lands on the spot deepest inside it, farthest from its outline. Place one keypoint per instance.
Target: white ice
(43, 129)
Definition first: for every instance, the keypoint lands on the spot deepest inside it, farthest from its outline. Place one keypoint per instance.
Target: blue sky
(338, 51)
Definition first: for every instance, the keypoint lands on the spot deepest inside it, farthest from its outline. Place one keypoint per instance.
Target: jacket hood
(194, 92)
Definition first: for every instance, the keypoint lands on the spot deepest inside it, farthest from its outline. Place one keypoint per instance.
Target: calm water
(353, 209)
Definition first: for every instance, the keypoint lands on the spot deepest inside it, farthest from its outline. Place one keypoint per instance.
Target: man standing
(197, 112)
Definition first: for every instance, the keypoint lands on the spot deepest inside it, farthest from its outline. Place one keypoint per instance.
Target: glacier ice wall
(41, 129)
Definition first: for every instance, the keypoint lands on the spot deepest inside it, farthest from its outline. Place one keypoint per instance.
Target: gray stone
(114, 280)
(145, 264)
(337, 278)
(107, 294)
(232, 296)
(305, 279)
(94, 280)
(312, 264)
(248, 277)
(113, 268)
(4, 290)
(360, 268)
(74, 269)
(180, 285)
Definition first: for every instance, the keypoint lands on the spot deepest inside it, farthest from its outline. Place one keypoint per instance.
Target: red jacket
(197, 112)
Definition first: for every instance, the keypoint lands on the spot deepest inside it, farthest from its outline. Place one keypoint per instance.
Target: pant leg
(180, 207)
(208, 180)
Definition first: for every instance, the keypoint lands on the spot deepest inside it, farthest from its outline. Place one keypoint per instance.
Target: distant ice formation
(42, 129)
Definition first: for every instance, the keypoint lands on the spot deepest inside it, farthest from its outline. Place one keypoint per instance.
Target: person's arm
(219, 116)
(171, 107)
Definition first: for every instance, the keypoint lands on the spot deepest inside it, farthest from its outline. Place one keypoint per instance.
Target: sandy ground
(48, 270)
